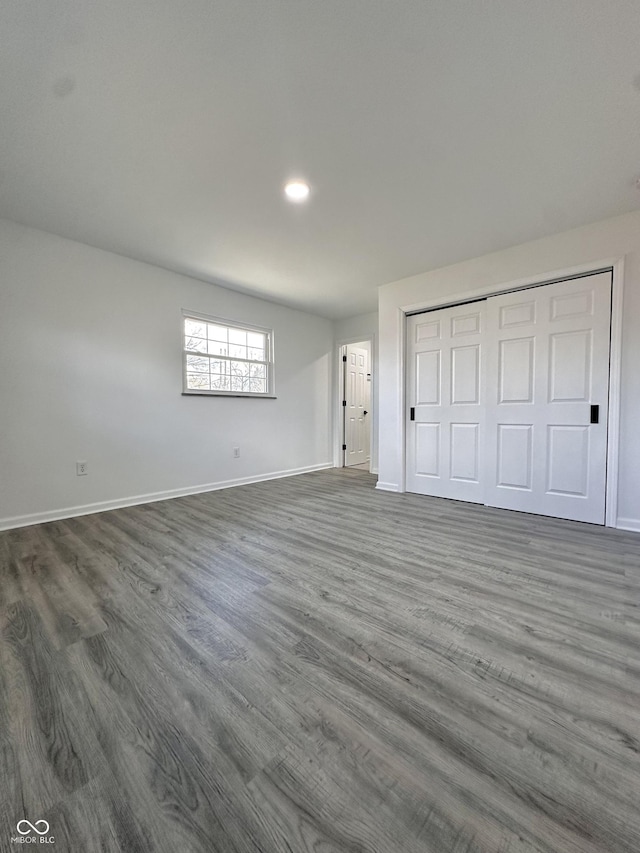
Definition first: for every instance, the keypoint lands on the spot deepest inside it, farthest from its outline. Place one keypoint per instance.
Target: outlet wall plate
(81, 469)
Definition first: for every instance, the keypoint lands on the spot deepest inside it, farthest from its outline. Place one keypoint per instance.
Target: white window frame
(231, 324)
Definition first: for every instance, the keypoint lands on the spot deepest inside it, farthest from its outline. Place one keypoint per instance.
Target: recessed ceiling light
(297, 191)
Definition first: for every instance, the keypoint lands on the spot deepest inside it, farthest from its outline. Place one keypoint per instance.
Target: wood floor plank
(52, 751)
(309, 664)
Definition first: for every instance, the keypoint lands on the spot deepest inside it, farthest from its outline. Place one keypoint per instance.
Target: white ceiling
(430, 130)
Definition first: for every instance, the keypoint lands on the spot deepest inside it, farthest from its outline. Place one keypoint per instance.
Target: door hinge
(412, 413)
(344, 446)
(344, 358)
(344, 402)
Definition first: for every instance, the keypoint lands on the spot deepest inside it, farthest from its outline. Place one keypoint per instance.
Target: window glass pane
(218, 348)
(257, 371)
(255, 354)
(255, 339)
(236, 351)
(239, 368)
(218, 366)
(198, 381)
(238, 336)
(195, 328)
(197, 363)
(198, 344)
(239, 383)
(258, 386)
(217, 333)
(220, 383)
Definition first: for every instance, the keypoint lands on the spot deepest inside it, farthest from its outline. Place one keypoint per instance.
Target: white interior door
(445, 436)
(357, 398)
(547, 361)
(509, 398)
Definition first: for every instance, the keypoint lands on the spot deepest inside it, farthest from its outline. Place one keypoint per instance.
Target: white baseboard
(629, 524)
(152, 497)
(387, 487)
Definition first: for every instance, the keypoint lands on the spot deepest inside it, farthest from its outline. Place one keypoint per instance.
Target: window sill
(228, 394)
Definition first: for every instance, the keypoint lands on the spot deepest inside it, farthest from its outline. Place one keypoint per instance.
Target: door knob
(365, 412)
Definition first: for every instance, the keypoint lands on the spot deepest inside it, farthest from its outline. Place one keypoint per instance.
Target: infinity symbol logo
(32, 827)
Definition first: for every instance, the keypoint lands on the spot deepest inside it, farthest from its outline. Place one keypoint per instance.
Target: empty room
(319, 406)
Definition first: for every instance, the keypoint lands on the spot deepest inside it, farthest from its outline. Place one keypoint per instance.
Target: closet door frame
(616, 267)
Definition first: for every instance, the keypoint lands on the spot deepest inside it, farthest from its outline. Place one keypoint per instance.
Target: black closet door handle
(595, 414)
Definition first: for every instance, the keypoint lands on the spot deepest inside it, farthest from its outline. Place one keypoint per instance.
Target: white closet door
(445, 438)
(547, 364)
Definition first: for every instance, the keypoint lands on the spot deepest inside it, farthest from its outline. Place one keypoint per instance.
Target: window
(225, 358)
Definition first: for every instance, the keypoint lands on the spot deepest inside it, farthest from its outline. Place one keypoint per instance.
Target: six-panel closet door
(547, 363)
(510, 400)
(445, 439)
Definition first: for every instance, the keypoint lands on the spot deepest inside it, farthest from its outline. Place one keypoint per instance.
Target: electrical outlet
(81, 469)
(236, 452)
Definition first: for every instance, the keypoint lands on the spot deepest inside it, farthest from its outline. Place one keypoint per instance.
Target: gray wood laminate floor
(310, 665)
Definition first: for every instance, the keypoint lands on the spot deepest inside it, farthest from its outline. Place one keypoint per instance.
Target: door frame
(338, 426)
(616, 266)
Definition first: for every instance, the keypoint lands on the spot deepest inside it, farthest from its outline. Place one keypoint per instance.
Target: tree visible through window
(221, 358)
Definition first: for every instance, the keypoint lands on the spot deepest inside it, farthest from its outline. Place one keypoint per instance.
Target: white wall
(352, 330)
(603, 241)
(90, 369)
